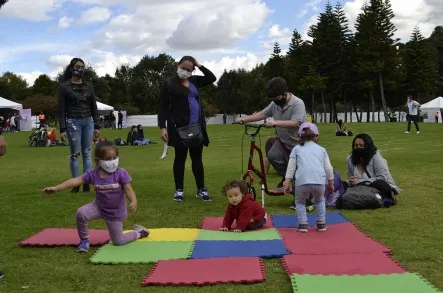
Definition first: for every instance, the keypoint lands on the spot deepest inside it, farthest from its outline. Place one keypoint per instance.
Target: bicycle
(248, 176)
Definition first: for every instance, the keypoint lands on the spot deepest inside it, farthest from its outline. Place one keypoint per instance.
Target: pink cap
(310, 126)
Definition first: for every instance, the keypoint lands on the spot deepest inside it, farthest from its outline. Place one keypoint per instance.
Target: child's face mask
(109, 166)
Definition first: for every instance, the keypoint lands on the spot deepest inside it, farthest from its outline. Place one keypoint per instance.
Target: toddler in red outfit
(248, 214)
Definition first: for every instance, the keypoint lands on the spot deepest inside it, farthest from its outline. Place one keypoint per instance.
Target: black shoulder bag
(190, 135)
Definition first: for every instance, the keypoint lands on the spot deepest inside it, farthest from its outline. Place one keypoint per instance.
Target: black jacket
(173, 92)
(76, 101)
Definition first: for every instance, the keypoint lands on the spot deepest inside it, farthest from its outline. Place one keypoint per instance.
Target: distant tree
(13, 87)
(421, 66)
(275, 65)
(44, 85)
(2, 2)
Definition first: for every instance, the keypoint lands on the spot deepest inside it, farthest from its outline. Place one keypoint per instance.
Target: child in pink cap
(310, 166)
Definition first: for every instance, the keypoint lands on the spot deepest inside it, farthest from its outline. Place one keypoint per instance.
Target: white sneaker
(418, 132)
(139, 228)
(407, 132)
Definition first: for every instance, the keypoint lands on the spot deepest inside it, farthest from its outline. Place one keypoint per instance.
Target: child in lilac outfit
(111, 184)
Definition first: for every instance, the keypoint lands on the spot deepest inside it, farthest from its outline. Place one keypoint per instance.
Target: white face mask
(109, 166)
(183, 74)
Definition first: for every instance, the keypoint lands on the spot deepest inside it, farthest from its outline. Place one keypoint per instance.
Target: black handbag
(190, 135)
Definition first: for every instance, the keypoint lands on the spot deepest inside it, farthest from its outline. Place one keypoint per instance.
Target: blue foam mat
(291, 221)
(217, 249)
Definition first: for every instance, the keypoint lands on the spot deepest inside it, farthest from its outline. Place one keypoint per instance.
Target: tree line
(338, 70)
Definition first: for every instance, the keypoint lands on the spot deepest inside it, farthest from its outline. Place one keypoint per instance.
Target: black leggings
(181, 153)
(414, 119)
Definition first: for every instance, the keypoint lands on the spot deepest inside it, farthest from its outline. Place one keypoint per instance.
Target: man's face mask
(281, 101)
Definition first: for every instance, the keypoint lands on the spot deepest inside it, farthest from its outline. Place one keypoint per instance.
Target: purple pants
(91, 211)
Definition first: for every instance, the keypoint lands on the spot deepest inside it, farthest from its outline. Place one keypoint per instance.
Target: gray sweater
(378, 170)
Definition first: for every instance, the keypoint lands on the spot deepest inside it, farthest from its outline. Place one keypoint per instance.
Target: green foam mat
(265, 234)
(142, 252)
(401, 283)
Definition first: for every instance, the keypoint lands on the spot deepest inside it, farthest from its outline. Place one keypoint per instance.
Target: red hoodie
(246, 210)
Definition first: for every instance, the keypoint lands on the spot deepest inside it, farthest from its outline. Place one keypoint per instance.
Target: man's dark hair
(276, 86)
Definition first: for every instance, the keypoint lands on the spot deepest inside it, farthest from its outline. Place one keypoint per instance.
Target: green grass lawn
(413, 229)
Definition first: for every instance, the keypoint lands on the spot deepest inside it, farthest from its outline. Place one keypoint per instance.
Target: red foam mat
(338, 239)
(376, 263)
(211, 271)
(216, 223)
(53, 237)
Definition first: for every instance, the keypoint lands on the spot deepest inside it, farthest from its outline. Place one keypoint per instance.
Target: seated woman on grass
(366, 165)
(341, 129)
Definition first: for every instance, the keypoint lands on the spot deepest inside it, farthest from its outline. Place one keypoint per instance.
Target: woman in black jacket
(78, 116)
(181, 110)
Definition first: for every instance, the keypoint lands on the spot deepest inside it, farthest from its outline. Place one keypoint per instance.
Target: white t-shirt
(413, 107)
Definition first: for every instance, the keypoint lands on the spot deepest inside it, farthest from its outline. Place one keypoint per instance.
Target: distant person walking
(120, 120)
(412, 114)
(436, 117)
(78, 116)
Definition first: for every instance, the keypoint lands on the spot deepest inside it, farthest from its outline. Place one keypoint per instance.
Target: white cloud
(30, 77)
(424, 13)
(313, 20)
(29, 9)
(276, 32)
(309, 5)
(184, 25)
(95, 15)
(65, 22)
(58, 62)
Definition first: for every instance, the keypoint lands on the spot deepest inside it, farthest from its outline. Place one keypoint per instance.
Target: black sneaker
(303, 228)
(203, 194)
(75, 189)
(322, 227)
(86, 188)
(1, 275)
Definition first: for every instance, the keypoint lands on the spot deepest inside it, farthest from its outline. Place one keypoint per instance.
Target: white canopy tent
(104, 107)
(7, 104)
(432, 107)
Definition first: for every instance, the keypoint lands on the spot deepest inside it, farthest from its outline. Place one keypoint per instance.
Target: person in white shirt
(412, 114)
(312, 168)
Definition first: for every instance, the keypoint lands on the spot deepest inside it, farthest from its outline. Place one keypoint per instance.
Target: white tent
(432, 107)
(7, 104)
(104, 107)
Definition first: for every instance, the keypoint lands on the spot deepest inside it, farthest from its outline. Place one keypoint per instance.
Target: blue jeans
(302, 193)
(80, 132)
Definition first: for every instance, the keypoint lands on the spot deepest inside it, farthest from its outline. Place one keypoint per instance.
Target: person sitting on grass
(341, 129)
(309, 165)
(248, 214)
(111, 185)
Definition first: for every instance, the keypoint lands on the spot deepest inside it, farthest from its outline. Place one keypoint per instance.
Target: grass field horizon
(412, 229)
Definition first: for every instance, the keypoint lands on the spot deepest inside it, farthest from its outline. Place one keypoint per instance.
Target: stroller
(39, 136)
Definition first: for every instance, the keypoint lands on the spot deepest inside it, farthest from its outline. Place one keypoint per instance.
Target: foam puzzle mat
(198, 272)
(291, 221)
(341, 264)
(142, 252)
(266, 234)
(172, 234)
(393, 283)
(338, 239)
(215, 223)
(216, 249)
(53, 237)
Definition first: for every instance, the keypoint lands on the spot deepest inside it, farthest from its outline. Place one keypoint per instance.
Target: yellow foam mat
(171, 234)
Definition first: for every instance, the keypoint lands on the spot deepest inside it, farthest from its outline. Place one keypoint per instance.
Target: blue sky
(42, 36)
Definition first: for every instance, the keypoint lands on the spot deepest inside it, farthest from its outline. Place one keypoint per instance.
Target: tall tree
(275, 65)
(345, 62)
(294, 62)
(376, 47)
(13, 87)
(2, 2)
(421, 66)
(44, 85)
(437, 40)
